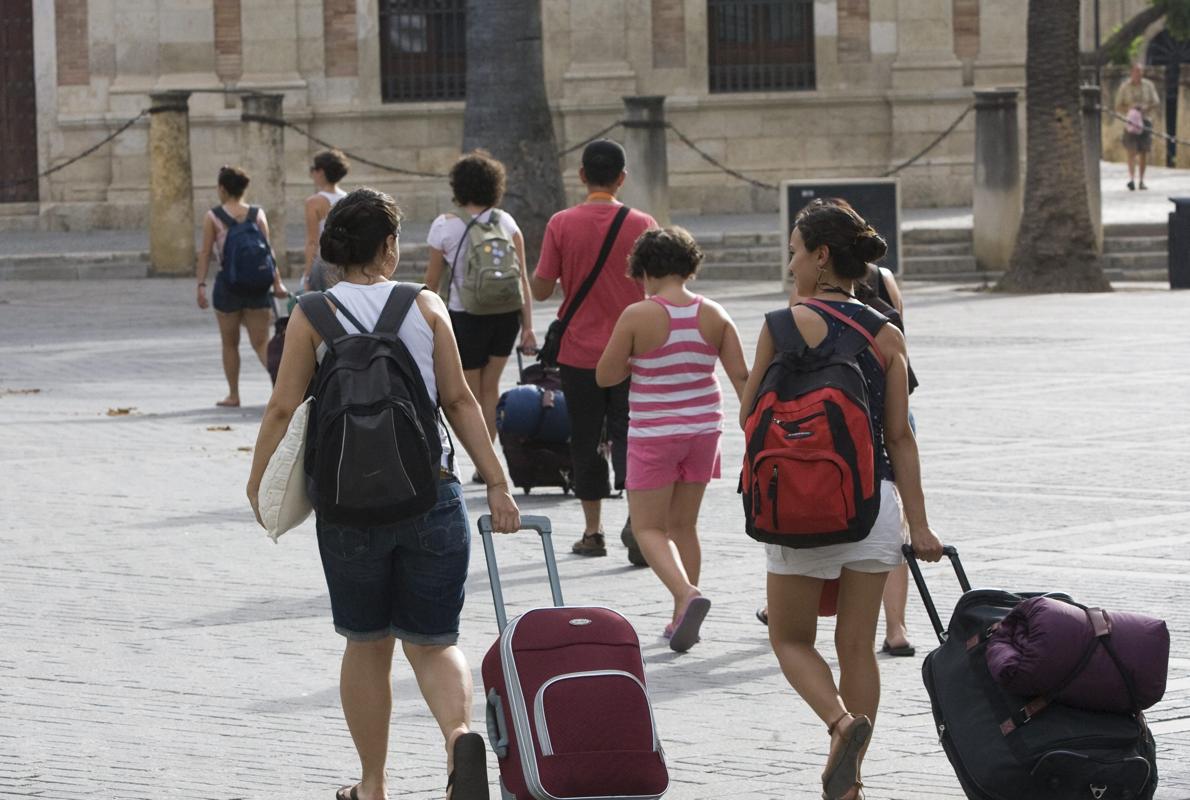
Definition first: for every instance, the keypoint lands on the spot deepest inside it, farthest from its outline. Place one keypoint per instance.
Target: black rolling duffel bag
(998, 748)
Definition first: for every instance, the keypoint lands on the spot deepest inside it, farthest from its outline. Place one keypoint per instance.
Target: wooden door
(18, 104)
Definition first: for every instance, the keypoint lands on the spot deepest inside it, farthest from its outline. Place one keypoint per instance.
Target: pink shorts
(656, 462)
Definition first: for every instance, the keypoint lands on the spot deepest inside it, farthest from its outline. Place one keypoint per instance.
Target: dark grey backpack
(373, 453)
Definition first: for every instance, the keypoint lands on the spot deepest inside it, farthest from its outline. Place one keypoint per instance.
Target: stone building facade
(773, 88)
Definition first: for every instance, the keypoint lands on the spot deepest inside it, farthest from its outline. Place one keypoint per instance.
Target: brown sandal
(843, 773)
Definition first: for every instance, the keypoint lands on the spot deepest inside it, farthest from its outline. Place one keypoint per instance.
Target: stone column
(1183, 124)
(998, 198)
(647, 185)
(1001, 60)
(171, 193)
(262, 153)
(1092, 150)
(925, 47)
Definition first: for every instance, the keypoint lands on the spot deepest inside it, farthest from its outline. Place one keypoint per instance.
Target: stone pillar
(997, 197)
(171, 193)
(925, 47)
(1092, 150)
(1001, 59)
(647, 185)
(262, 154)
(1183, 126)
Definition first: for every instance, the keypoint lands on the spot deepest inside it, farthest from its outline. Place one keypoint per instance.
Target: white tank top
(332, 198)
(365, 302)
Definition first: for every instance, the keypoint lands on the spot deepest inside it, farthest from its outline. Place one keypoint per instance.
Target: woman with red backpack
(830, 248)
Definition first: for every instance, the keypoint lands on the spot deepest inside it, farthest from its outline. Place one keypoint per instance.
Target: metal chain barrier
(710, 159)
(127, 124)
(932, 144)
(1148, 127)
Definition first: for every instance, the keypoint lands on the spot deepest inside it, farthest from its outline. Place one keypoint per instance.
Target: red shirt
(571, 245)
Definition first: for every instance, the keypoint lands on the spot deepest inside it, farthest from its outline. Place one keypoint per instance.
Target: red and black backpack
(809, 476)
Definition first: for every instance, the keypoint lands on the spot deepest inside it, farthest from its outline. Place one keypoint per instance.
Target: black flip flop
(348, 793)
(762, 614)
(903, 650)
(469, 778)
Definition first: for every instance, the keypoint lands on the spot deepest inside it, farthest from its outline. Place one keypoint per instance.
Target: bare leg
(649, 510)
(896, 597)
(365, 688)
(1131, 166)
(445, 683)
(256, 320)
(592, 518)
(489, 391)
(229, 335)
(859, 609)
(1143, 158)
(682, 526)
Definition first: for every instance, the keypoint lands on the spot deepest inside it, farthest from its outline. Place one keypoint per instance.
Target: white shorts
(879, 551)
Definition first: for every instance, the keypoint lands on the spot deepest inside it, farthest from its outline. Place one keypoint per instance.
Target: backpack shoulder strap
(224, 217)
(786, 337)
(252, 212)
(400, 301)
(314, 306)
(867, 323)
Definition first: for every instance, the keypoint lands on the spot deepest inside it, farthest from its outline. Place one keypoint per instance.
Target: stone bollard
(998, 199)
(262, 153)
(647, 186)
(1092, 152)
(171, 186)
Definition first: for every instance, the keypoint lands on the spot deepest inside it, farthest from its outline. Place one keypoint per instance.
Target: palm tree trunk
(1055, 249)
(507, 111)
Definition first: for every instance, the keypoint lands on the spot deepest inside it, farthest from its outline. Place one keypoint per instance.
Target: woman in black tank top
(830, 248)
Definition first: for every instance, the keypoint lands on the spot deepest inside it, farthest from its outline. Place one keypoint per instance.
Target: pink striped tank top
(674, 390)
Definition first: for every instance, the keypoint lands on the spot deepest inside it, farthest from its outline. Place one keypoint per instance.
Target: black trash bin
(1179, 244)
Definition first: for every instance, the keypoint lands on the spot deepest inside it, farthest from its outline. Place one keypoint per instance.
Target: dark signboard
(878, 200)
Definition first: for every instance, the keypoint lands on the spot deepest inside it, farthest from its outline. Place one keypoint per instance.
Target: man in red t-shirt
(571, 246)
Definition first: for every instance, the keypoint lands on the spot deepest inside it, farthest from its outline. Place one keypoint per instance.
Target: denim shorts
(404, 580)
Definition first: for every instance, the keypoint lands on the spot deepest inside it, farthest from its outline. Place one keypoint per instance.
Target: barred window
(423, 50)
(760, 45)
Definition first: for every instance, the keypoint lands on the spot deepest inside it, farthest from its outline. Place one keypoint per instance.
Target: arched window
(423, 50)
(760, 45)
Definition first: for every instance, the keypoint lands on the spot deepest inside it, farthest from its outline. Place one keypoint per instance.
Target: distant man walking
(1137, 100)
(571, 247)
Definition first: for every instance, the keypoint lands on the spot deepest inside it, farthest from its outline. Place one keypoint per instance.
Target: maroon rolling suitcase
(568, 710)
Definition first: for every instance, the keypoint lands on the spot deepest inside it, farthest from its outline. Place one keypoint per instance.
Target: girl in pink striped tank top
(668, 344)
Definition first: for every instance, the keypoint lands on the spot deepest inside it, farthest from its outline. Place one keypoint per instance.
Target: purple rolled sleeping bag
(1042, 641)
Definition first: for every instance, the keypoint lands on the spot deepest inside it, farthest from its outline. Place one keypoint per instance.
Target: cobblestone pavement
(157, 644)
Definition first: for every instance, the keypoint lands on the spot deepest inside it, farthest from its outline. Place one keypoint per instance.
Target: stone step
(1136, 229)
(737, 255)
(1132, 262)
(935, 235)
(1138, 275)
(74, 266)
(936, 249)
(747, 271)
(974, 276)
(1135, 244)
(922, 266)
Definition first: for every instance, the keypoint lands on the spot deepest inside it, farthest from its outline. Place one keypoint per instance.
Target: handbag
(549, 351)
(283, 501)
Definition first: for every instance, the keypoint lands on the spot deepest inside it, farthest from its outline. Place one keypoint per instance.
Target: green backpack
(492, 271)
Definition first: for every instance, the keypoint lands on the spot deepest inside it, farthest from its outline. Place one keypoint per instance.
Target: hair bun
(869, 246)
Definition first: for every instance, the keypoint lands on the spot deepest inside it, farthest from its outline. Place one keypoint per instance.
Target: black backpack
(373, 453)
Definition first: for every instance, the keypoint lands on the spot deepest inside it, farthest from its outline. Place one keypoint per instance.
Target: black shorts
(482, 336)
(224, 299)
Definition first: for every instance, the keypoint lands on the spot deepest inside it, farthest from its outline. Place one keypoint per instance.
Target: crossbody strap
(604, 252)
(848, 321)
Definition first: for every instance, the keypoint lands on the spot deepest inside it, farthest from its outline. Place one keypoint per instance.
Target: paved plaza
(157, 645)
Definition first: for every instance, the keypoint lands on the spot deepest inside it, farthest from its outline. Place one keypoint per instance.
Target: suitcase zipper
(543, 732)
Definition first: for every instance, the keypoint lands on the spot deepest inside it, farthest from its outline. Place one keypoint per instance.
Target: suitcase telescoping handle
(528, 522)
(950, 552)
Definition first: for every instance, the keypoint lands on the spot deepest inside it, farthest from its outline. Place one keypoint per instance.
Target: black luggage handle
(950, 552)
(528, 522)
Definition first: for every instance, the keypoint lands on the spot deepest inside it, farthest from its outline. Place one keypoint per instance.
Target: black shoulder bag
(548, 353)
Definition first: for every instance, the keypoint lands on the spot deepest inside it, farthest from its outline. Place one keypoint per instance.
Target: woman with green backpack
(477, 265)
